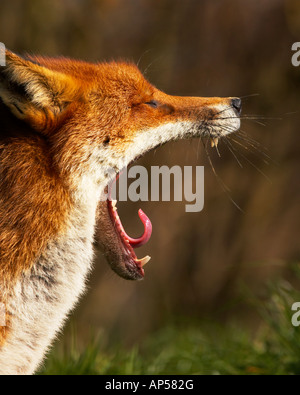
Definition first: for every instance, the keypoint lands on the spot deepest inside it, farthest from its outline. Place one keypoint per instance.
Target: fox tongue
(135, 243)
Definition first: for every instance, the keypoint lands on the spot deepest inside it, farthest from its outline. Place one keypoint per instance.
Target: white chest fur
(43, 297)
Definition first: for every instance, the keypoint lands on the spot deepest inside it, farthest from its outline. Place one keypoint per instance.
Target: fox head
(94, 117)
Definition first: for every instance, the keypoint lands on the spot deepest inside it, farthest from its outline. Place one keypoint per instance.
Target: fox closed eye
(165, 109)
(152, 103)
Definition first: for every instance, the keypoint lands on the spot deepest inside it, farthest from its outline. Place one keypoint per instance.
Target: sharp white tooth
(216, 141)
(212, 143)
(144, 260)
(114, 203)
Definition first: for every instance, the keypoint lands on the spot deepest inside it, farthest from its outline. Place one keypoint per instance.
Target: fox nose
(236, 103)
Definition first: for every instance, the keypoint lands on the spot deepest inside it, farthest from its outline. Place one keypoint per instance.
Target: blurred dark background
(201, 262)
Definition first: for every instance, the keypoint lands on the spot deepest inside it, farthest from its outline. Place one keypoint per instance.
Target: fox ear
(34, 93)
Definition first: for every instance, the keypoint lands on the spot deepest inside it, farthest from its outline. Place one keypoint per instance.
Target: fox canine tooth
(214, 142)
(144, 260)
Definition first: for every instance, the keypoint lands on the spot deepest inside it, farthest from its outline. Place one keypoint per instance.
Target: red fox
(63, 122)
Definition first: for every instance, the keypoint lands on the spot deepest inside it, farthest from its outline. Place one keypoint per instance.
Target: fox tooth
(214, 142)
(114, 203)
(144, 260)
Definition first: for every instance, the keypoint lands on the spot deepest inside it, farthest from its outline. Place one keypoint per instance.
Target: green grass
(200, 348)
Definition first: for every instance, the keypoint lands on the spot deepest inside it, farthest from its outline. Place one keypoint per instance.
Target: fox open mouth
(115, 243)
(117, 246)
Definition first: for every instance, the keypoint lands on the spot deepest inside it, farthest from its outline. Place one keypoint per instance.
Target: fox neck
(42, 296)
(42, 277)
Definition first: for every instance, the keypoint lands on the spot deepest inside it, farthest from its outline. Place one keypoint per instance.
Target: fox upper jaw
(108, 160)
(221, 121)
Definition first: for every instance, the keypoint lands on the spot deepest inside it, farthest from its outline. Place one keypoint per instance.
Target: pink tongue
(135, 243)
